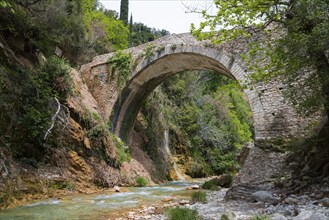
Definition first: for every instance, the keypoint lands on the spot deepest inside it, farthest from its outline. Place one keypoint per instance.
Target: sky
(164, 14)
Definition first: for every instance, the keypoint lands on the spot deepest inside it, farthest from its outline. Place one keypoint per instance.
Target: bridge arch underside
(154, 73)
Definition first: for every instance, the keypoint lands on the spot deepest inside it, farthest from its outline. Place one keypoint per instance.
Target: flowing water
(166, 145)
(96, 206)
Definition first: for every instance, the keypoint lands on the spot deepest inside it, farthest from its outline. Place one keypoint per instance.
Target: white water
(166, 145)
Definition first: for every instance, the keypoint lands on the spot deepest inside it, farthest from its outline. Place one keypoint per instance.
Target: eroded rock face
(262, 166)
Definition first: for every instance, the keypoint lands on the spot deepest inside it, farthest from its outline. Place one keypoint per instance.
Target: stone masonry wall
(274, 117)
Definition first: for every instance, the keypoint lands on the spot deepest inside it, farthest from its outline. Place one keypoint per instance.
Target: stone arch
(154, 62)
(166, 61)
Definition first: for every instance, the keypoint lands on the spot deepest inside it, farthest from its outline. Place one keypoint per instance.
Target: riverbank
(310, 205)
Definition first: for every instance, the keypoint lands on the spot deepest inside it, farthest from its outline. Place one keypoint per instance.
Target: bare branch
(61, 115)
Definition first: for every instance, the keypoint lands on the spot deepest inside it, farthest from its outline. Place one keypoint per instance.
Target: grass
(199, 196)
(141, 181)
(178, 213)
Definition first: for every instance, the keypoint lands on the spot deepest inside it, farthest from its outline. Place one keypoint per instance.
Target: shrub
(141, 181)
(211, 185)
(120, 62)
(199, 196)
(122, 150)
(178, 213)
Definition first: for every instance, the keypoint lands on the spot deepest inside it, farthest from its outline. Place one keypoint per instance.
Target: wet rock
(325, 202)
(195, 187)
(168, 199)
(263, 196)
(184, 202)
(116, 189)
(278, 216)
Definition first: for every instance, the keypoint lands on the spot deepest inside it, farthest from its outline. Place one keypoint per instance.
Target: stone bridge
(154, 62)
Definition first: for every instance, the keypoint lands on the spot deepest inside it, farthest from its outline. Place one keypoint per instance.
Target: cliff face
(79, 153)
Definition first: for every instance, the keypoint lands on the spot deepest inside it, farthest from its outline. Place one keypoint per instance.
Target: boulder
(195, 187)
(116, 189)
(325, 202)
(263, 196)
(184, 202)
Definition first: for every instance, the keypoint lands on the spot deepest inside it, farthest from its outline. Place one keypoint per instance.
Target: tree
(288, 39)
(124, 10)
(130, 30)
(302, 44)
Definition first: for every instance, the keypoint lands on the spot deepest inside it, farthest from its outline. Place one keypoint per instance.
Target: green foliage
(260, 217)
(178, 213)
(173, 47)
(291, 40)
(111, 31)
(63, 185)
(199, 196)
(123, 152)
(212, 115)
(141, 182)
(148, 52)
(232, 16)
(140, 34)
(211, 185)
(26, 97)
(124, 6)
(120, 62)
(77, 27)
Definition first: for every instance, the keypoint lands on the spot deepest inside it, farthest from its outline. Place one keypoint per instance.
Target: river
(97, 206)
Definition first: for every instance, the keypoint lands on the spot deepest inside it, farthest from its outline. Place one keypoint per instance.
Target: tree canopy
(294, 41)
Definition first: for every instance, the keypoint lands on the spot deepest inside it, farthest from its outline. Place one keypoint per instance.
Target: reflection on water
(96, 206)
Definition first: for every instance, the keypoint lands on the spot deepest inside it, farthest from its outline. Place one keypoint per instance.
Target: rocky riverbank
(308, 206)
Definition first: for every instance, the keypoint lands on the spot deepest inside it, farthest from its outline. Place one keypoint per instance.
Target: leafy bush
(141, 181)
(120, 62)
(199, 196)
(122, 150)
(178, 213)
(63, 185)
(211, 185)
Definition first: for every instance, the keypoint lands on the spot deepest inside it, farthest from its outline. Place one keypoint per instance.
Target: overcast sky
(163, 14)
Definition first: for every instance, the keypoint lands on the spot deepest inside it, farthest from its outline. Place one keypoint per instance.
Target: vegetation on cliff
(208, 119)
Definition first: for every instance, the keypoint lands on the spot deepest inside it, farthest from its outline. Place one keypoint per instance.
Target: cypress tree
(130, 29)
(124, 11)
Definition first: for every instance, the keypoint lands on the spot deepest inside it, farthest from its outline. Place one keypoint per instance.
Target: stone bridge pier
(154, 62)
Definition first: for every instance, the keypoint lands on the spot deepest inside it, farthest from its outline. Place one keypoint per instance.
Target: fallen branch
(57, 117)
